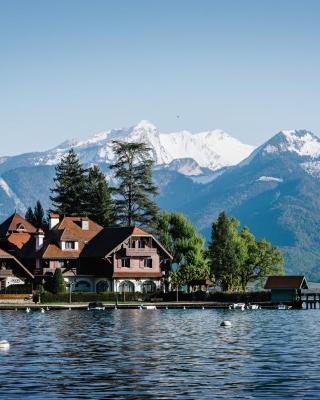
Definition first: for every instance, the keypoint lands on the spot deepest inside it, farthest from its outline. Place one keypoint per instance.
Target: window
(125, 262)
(102, 286)
(70, 245)
(21, 227)
(126, 286)
(147, 262)
(141, 244)
(82, 286)
(148, 287)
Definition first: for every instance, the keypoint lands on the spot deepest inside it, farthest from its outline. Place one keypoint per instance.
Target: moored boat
(237, 306)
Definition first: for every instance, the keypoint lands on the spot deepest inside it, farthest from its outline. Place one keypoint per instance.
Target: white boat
(148, 307)
(96, 306)
(283, 307)
(253, 307)
(237, 306)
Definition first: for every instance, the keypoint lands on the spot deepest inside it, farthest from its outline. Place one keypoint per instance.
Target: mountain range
(274, 189)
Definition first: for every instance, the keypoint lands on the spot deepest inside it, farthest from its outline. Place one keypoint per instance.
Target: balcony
(5, 273)
(140, 252)
(69, 272)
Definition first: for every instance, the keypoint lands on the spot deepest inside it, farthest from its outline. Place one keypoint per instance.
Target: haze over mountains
(274, 189)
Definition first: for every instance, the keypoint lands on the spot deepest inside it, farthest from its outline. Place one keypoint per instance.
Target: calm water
(167, 354)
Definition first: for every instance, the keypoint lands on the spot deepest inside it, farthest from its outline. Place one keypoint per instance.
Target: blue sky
(72, 68)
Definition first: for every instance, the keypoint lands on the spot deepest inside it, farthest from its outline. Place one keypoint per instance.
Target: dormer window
(21, 227)
(70, 245)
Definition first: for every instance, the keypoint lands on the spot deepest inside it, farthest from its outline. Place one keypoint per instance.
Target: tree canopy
(98, 202)
(36, 216)
(68, 195)
(237, 258)
(186, 245)
(135, 190)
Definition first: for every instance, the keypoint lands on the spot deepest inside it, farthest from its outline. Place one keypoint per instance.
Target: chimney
(39, 239)
(84, 224)
(54, 219)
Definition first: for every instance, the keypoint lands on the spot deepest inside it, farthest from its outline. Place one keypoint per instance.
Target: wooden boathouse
(286, 289)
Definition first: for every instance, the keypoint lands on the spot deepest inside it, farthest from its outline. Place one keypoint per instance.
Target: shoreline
(130, 305)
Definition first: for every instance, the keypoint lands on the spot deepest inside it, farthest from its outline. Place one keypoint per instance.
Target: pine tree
(36, 217)
(70, 186)
(134, 203)
(98, 198)
(29, 216)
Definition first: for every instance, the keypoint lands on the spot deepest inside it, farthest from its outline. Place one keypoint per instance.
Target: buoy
(4, 345)
(226, 323)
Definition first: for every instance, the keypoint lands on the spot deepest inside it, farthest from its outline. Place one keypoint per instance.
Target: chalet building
(92, 258)
(17, 252)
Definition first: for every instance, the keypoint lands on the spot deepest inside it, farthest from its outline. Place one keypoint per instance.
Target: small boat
(283, 307)
(237, 306)
(148, 307)
(253, 307)
(96, 306)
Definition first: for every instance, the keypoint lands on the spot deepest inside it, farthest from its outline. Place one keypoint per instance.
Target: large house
(92, 258)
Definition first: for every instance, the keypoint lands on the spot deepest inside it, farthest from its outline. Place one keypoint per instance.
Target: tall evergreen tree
(70, 186)
(58, 283)
(134, 195)
(36, 216)
(98, 198)
(29, 216)
(227, 252)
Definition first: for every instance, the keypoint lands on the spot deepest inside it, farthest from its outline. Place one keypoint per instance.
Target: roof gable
(16, 223)
(286, 282)
(112, 237)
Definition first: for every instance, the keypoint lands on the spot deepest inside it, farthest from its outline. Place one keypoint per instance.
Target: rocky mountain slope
(275, 189)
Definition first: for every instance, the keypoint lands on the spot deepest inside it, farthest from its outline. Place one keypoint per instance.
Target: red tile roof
(68, 229)
(286, 282)
(5, 255)
(15, 223)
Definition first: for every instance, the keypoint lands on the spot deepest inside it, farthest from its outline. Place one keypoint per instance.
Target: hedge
(86, 297)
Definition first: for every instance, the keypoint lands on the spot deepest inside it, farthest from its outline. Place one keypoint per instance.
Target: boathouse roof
(286, 282)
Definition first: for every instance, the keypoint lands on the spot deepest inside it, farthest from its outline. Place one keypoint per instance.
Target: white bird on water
(42, 310)
(28, 309)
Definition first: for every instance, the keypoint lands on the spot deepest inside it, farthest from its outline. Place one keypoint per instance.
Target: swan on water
(226, 323)
(28, 309)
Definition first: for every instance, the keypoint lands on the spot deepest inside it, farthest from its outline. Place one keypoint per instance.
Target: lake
(160, 354)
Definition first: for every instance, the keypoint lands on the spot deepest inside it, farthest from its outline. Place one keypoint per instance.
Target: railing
(137, 252)
(5, 272)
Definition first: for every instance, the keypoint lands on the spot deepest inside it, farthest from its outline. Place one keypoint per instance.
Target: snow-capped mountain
(275, 189)
(211, 150)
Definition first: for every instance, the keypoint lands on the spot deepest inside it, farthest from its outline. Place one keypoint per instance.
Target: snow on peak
(301, 142)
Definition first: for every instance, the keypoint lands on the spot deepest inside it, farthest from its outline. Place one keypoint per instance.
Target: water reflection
(160, 354)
